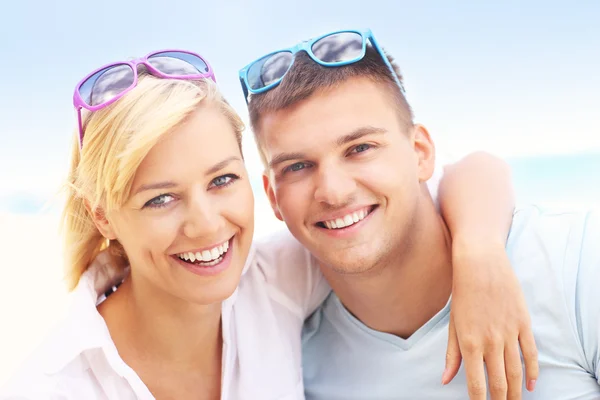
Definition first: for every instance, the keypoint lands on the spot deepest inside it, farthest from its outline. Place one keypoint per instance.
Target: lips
(209, 266)
(207, 257)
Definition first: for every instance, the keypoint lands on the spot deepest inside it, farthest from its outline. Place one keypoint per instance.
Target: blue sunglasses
(330, 50)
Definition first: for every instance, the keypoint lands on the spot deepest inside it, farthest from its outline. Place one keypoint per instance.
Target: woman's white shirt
(261, 325)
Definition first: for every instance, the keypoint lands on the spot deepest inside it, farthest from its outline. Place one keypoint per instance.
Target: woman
(177, 305)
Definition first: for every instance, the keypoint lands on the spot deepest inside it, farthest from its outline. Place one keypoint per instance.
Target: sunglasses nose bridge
(145, 66)
(303, 46)
(141, 65)
(135, 62)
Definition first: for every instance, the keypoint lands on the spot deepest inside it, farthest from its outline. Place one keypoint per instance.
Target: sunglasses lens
(177, 63)
(106, 84)
(339, 47)
(269, 69)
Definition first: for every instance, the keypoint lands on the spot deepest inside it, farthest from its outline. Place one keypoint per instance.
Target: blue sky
(512, 78)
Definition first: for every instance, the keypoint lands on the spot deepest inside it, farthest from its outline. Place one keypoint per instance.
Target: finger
(453, 356)
(530, 357)
(494, 363)
(514, 372)
(475, 375)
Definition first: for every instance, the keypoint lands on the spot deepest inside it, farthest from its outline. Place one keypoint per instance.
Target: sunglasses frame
(79, 103)
(306, 46)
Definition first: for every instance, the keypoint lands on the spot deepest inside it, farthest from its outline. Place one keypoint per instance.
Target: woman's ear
(102, 223)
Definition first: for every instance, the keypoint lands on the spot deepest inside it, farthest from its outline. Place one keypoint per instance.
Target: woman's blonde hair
(116, 141)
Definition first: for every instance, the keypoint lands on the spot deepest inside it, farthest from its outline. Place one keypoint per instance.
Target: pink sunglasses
(109, 83)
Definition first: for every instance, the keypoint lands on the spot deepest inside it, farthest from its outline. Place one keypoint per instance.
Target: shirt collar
(84, 328)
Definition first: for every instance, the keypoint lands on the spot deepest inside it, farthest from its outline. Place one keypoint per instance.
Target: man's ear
(102, 223)
(425, 150)
(271, 195)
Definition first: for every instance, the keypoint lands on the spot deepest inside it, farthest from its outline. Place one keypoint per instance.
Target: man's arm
(489, 318)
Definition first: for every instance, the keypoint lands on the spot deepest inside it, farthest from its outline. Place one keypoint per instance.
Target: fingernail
(444, 376)
(531, 385)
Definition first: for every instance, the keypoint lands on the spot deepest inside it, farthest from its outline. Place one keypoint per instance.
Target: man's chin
(347, 263)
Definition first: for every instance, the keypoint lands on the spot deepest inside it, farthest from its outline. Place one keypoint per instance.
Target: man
(347, 172)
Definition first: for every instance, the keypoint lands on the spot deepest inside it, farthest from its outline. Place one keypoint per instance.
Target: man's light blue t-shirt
(556, 257)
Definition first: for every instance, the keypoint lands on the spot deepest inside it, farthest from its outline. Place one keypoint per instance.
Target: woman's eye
(361, 148)
(224, 180)
(159, 201)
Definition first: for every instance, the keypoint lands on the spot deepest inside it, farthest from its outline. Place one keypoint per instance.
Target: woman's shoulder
(288, 272)
(73, 362)
(62, 366)
(32, 385)
(46, 374)
(266, 320)
(281, 249)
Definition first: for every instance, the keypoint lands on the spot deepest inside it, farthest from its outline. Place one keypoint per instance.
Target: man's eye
(159, 201)
(296, 167)
(361, 148)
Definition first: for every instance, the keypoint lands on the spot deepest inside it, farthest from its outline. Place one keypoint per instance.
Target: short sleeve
(292, 273)
(588, 293)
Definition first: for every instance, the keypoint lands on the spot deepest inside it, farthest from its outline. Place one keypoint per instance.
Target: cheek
(248, 208)
(151, 232)
(238, 205)
(294, 199)
(388, 176)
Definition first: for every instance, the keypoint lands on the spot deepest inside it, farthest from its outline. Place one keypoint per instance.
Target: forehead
(328, 115)
(205, 138)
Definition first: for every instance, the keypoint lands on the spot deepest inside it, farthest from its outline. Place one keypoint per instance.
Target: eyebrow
(153, 186)
(352, 136)
(283, 157)
(170, 184)
(359, 133)
(222, 164)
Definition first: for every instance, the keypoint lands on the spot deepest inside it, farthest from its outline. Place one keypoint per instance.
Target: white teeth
(347, 220)
(213, 262)
(206, 256)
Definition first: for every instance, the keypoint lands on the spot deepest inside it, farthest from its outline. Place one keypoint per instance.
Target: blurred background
(519, 79)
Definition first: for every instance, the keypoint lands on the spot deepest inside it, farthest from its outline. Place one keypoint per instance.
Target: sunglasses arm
(245, 89)
(386, 61)
(80, 126)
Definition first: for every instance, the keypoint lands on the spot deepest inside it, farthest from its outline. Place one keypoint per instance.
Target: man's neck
(409, 288)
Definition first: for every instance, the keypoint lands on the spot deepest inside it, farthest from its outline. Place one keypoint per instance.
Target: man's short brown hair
(307, 77)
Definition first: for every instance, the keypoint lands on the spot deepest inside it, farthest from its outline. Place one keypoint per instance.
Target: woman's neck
(159, 334)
